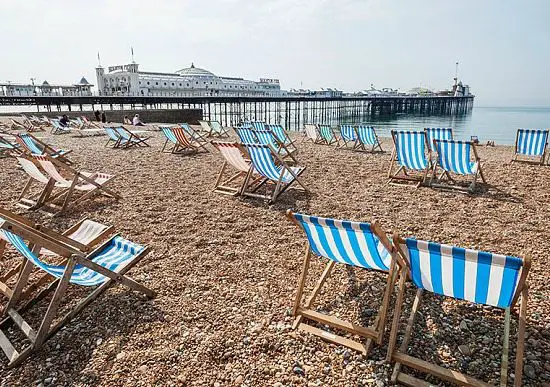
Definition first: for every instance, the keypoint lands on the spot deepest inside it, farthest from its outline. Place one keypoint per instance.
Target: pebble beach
(225, 270)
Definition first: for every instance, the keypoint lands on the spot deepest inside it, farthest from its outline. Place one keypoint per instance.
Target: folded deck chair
(84, 236)
(311, 133)
(348, 135)
(531, 143)
(179, 140)
(267, 137)
(196, 136)
(477, 277)
(57, 128)
(367, 138)
(130, 139)
(235, 157)
(437, 134)
(409, 154)
(282, 136)
(72, 182)
(456, 157)
(101, 268)
(328, 135)
(35, 146)
(269, 164)
(356, 244)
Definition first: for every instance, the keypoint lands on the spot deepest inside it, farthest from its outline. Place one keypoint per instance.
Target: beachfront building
(82, 88)
(187, 82)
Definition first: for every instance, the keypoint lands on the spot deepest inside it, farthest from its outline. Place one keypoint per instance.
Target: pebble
(529, 371)
(465, 350)
(239, 380)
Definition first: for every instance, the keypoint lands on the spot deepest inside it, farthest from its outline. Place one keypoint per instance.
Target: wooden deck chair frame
(437, 181)
(17, 125)
(38, 240)
(38, 199)
(31, 126)
(56, 128)
(195, 136)
(280, 186)
(394, 175)
(223, 132)
(49, 150)
(62, 238)
(515, 157)
(67, 194)
(303, 311)
(184, 143)
(360, 146)
(132, 139)
(318, 139)
(401, 357)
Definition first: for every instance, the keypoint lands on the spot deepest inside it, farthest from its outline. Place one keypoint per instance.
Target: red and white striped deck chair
(234, 155)
(184, 142)
(86, 183)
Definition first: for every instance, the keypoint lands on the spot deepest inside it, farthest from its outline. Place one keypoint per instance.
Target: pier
(290, 111)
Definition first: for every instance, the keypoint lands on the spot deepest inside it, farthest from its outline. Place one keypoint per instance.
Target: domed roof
(194, 72)
(84, 81)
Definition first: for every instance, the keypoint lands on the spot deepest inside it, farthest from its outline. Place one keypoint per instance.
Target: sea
(498, 124)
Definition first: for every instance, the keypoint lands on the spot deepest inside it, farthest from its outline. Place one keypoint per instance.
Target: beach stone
(143, 368)
(529, 371)
(465, 350)
(463, 325)
(239, 380)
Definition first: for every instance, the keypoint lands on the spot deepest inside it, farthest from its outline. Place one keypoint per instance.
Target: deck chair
(247, 135)
(367, 137)
(31, 125)
(282, 136)
(17, 124)
(455, 157)
(356, 244)
(179, 140)
(531, 143)
(85, 183)
(409, 154)
(57, 128)
(35, 146)
(269, 164)
(114, 137)
(90, 124)
(258, 125)
(348, 135)
(196, 136)
(101, 268)
(437, 134)
(83, 235)
(130, 139)
(328, 135)
(33, 200)
(267, 137)
(7, 146)
(234, 156)
(218, 129)
(478, 277)
(311, 133)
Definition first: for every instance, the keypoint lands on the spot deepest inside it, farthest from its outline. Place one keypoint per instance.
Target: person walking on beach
(97, 115)
(137, 121)
(103, 117)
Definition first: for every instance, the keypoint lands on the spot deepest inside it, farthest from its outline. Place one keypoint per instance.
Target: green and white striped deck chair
(98, 269)
(328, 135)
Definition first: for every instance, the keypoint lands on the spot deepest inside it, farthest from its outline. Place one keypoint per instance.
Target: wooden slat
(409, 380)
(440, 372)
(22, 324)
(338, 323)
(333, 338)
(6, 346)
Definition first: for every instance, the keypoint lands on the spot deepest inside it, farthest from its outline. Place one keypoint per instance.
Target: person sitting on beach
(137, 121)
(64, 121)
(127, 120)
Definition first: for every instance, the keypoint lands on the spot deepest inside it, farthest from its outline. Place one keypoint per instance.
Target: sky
(502, 46)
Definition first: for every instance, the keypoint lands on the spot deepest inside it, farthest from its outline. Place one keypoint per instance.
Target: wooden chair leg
(396, 314)
(521, 337)
(505, 349)
(301, 281)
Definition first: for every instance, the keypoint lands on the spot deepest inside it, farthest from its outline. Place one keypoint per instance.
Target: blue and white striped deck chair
(532, 143)
(247, 135)
(269, 164)
(35, 146)
(113, 136)
(357, 244)
(366, 136)
(437, 134)
(282, 136)
(170, 138)
(101, 268)
(349, 137)
(267, 137)
(410, 156)
(258, 125)
(456, 157)
(131, 139)
(473, 276)
(57, 128)
(328, 135)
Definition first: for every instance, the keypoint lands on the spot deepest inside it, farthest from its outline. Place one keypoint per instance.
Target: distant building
(190, 81)
(82, 88)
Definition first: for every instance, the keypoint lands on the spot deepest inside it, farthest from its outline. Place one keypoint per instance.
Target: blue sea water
(488, 123)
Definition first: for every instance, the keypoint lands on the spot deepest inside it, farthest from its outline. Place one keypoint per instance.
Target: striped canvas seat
(437, 134)
(246, 135)
(327, 134)
(454, 156)
(477, 277)
(87, 232)
(113, 136)
(233, 155)
(348, 133)
(532, 143)
(366, 135)
(262, 159)
(278, 131)
(266, 137)
(258, 125)
(27, 142)
(352, 243)
(113, 256)
(410, 150)
(168, 133)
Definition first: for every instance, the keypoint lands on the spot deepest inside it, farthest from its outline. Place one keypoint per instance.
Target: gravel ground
(225, 270)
